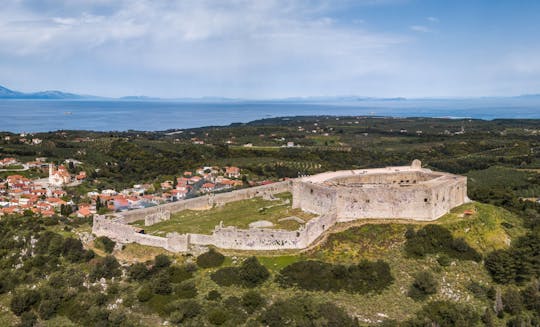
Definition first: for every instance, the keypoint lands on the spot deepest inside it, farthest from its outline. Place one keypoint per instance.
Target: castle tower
(51, 172)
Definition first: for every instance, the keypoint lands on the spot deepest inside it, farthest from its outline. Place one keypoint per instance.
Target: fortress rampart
(407, 192)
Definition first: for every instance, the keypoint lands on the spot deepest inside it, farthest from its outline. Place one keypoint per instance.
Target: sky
(271, 48)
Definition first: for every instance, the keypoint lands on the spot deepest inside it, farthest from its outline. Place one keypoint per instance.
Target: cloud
(211, 42)
(420, 28)
(433, 19)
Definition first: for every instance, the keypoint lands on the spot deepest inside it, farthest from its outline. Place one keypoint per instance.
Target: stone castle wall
(123, 233)
(393, 192)
(157, 217)
(314, 198)
(408, 192)
(205, 202)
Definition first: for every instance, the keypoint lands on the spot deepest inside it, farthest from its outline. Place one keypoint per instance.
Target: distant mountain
(529, 96)
(6, 93)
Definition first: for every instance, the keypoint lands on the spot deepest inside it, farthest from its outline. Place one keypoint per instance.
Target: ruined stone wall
(408, 192)
(447, 196)
(198, 203)
(264, 238)
(257, 239)
(315, 198)
(392, 192)
(314, 228)
(384, 202)
(123, 233)
(157, 217)
(406, 177)
(206, 202)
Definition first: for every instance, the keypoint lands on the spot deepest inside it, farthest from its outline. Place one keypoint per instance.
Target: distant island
(6, 93)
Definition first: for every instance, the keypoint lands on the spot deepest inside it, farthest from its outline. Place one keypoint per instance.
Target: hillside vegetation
(476, 266)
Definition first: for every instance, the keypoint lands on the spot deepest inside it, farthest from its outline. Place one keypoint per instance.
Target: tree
(23, 300)
(253, 273)
(145, 293)
(184, 310)
(186, 290)
(512, 301)
(28, 319)
(488, 318)
(99, 205)
(161, 283)
(502, 266)
(105, 243)
(106, 267)
(161, 261)
(424, 284)
(445, 314)
(304, 311)
(213, 295)
(218, 316)
(250, 274)
(252, 300)
(47, 308)
(210, 259)
(138, 271)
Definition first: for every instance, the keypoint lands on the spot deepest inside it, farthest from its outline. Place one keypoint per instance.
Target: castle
(405, 192)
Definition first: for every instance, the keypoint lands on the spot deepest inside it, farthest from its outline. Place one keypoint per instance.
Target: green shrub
(364, 277)
(104, 243)
(512, 301)
(303, 311)
(161, 261)
(145, 293)
(252, 300)
(478, 290)
(444, 260)
(424, 284)
(28, 319)
(218, 316)
(517, 264)
(250, 274)
(226, 276)
(47, 308)
(445, 314)
(107, 267)
(183, 310)
(213, 295)
(253, 273)
(161, 283)
(210, 259)
(186, 290)
(23, 300)
(180, 274)
(138, 271)
(433, 239)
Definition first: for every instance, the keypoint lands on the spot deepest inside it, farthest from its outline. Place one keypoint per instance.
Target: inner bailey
(409, 192)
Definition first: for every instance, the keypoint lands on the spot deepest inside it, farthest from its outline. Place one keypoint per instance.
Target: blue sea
(122, 115)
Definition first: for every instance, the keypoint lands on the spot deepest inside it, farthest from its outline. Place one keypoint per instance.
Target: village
(49, 196)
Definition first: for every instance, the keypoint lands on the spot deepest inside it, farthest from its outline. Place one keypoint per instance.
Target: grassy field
(487, 229)
(238, 213)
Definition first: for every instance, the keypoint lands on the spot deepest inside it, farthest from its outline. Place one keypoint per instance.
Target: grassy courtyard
(238, 213)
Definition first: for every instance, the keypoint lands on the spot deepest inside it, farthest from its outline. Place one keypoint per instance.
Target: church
(58, 177)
